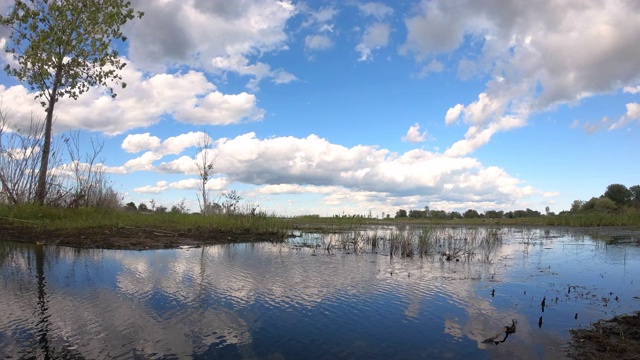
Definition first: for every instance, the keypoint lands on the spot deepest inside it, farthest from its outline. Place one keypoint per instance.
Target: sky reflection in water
(280, 301)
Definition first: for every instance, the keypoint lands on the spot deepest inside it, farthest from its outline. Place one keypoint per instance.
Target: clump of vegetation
(447, 243)
(426, 243)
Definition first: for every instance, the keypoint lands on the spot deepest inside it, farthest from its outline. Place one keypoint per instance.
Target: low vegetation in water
(446, 244)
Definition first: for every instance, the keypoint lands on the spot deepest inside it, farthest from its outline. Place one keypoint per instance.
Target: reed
(426, 241)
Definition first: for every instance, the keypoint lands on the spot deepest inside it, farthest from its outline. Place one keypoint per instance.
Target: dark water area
(284, 301)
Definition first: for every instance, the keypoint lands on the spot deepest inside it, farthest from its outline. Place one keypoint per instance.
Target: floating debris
(507, 330)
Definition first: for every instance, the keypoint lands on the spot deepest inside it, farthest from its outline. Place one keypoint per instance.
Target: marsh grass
(462, 244)
(373, 240)
(631, 218)
(91, 218)
(426, 243)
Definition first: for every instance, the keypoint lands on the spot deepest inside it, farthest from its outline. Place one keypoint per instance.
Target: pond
(298, 300)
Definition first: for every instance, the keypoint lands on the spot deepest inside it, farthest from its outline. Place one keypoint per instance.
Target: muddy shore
(140, 238)
(129, 238)
(612, 339)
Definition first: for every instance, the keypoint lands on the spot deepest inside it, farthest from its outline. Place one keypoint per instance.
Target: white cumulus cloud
(189, 98)
(577, 51)
(177, 32)
(632, 114)
(414, 135)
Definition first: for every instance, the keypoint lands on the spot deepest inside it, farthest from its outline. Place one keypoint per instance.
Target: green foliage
(471, 214)
(576, 205)
(65, 45)
(604, 204)
(619, 194)
(493, 214)
(630, 218)
(63, 48)
(401, 213)
(635, 191)
(522, 214)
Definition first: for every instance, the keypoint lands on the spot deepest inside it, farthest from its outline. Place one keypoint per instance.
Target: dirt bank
(128, 238)
(617, 338)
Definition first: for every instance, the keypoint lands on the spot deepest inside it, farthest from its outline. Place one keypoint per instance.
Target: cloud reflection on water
(266, 299)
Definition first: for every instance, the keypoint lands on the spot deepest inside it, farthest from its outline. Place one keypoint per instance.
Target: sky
(355, 107)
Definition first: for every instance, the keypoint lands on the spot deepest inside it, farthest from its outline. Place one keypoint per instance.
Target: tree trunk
(41, 189)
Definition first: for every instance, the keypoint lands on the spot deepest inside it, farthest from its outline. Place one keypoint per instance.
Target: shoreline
(121, 237)
(130, 238)
(607, 339)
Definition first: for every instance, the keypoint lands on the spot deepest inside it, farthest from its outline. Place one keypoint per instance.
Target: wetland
(380, 292)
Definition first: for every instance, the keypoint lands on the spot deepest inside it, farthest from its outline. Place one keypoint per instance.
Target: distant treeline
(617, 199)
(469, 214)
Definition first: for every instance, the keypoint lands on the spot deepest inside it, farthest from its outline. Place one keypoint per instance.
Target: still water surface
(270, 301)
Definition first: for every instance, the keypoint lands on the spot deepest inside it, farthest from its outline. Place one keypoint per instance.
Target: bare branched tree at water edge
(205, 159)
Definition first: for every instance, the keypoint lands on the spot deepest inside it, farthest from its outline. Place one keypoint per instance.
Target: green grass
(85, 218)
(595, 219)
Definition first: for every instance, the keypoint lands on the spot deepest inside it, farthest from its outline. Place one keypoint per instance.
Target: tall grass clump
(426, 241)
(373, 240)
(490, 243)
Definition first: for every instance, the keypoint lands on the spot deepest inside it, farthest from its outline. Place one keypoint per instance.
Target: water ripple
(280, 301)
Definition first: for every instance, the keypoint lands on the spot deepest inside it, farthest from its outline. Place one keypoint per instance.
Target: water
(269, 301)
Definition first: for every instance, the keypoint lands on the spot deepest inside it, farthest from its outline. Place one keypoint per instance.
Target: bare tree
(230, 204)
(81, 182)
(180, 207)
(19, 159)
(205, 159)
(89, 184)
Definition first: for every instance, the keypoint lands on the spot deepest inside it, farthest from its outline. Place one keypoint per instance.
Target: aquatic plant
(426, 243)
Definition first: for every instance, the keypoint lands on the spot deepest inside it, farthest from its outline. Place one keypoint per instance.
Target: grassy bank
(82, 218)
(90, 227)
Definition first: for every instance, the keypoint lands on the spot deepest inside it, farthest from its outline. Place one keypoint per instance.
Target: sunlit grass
(86, 218)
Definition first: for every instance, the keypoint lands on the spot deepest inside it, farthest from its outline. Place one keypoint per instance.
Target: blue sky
(333, 107)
